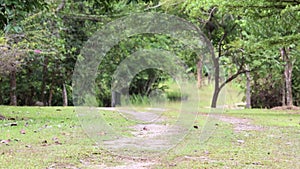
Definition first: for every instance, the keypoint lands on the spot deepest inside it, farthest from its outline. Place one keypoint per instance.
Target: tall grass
(174, 95)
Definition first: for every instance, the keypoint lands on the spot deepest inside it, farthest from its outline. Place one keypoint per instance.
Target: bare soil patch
(239, 124)
(152, 136)
(133, 164)
(286, 108)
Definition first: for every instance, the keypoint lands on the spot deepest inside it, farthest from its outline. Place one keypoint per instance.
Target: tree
(10, 62)
(221, 28)
(11, 13)
(272, 24)
(263, 25)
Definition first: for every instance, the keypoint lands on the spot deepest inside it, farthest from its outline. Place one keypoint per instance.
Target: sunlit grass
(53, 137)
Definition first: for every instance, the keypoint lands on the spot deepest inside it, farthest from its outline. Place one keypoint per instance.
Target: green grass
(54, 138)
(276, 146)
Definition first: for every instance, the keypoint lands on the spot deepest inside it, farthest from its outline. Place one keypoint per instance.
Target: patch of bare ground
(133, 164)
(61, 165)
(123, 163)
(239, 124)
(151, 137)
(202, 159)
(286, 108)
(195, 158)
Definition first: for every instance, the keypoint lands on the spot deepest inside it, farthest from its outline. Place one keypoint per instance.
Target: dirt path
(150, 137)
(239, 124)
(151, 134)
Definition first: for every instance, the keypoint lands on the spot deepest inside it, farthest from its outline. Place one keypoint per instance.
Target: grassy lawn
(275, 145)
(53, 138)
(45, 137)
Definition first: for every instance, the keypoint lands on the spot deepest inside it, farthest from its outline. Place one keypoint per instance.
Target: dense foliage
(40, 42)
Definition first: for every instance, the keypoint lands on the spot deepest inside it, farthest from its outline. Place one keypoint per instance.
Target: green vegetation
(39, 137)
(242, 54)
(255, 42)
(53, 137)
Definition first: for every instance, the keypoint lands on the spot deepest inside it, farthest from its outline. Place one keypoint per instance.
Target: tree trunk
(283, 90)
(215, 98)
(115, 98)
(45, 77)
(283, 99)
(199, 73)
(13, 87)
(248, 90)
(50, 96)
(288, 74)
(148, 86)
(288, 68)
(209, 79)
(65, 96)
(217, 82)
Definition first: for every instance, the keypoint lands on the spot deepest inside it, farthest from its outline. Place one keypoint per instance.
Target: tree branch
(240, 71)
(210, 16)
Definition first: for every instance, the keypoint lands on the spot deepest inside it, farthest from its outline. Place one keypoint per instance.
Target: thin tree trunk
(51, 90)
(115, 98)
(50, 96)
(288, 68)
(248, 90)
(289, 95)
(209, 80)
(13, 87)
(45, 77)
(217, 82)
(65, 96)
(215, 98)
(199, 73)
(148, 86)
(283, 99)
(283, 90)
(32, 95)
